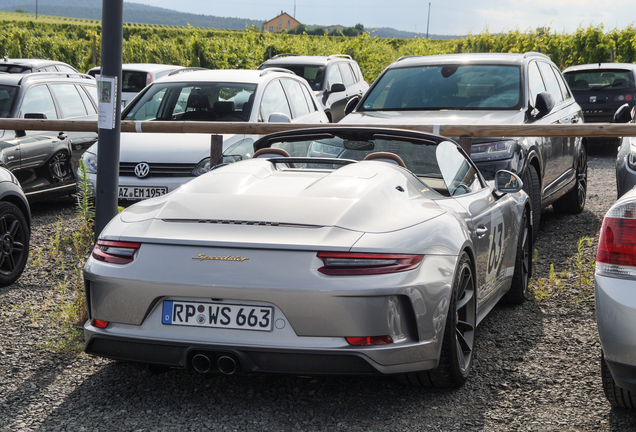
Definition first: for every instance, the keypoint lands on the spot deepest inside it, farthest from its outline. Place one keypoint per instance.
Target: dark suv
(491, 89)
(335, 80)
(45, 161)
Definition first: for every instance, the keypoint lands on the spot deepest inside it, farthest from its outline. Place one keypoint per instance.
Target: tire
(616, 395)
(532, 187)
(14, 243)
(574, 201)
(458, 344)
(59, 166)
(518, 291)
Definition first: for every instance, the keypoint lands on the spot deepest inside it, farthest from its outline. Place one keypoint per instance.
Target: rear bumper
(255, 359)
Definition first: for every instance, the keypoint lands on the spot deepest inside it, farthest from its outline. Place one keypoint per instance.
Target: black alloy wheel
(519, 288)
(574, 201)
(458, 344)
(14, 246)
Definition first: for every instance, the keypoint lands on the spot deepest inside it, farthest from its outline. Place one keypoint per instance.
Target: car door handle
(481, 231)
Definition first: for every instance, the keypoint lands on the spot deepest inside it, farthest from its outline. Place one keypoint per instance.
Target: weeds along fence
(79, 44)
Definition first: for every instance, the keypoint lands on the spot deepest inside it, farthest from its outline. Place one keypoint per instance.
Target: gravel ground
(536, 366)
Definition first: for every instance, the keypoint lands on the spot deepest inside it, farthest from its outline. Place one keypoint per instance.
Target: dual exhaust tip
(225, 364)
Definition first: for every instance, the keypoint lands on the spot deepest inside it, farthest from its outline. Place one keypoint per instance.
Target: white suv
(153, 164)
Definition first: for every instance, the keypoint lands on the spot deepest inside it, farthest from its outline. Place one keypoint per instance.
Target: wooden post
(216, 150)
(466, 143)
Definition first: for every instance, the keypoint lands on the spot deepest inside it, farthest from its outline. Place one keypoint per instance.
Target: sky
(449, 17)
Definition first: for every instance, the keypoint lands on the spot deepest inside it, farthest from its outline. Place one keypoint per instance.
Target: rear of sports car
(294, 282)
(615, 296)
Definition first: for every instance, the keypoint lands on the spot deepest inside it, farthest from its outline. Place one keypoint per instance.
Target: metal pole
(109, 131)
(428, 19)
(36, 9)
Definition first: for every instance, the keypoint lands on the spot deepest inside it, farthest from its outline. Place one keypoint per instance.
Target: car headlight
(201, 168)
(493, 150)
(90, 162)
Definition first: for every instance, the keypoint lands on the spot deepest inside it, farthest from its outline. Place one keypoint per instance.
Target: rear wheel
(458, 344)
(59, 166)
(574, 201)
(14, 243)
(532, 187)
(616, 395)
(523, 265)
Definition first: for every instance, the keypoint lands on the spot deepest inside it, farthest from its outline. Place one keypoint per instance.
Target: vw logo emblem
(142, 170)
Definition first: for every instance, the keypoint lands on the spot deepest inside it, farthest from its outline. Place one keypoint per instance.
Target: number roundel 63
(496, 247)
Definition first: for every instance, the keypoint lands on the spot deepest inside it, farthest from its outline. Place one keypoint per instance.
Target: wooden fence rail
(528, 130)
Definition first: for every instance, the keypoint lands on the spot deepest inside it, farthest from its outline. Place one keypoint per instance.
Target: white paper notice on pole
(107, 99)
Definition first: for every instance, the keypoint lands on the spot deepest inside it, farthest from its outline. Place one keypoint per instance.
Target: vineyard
(78, 42)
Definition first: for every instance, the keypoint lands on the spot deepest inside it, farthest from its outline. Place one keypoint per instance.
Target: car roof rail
(408, 57)
(186, 69)
(275, 69)
(536, 54)
(34, 75)
(345, 56)
(283, 55)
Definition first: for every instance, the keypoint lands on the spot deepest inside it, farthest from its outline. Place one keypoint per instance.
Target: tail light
(358, 264)
(369, 340)
(624, 97)
(616, 255)
(115, 252)
(99, 323)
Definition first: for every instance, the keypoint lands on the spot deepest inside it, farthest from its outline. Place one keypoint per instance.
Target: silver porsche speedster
(324, 251)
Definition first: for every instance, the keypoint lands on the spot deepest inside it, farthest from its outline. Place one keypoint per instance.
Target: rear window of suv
(595, 80)
(313, 74)
(435, 87)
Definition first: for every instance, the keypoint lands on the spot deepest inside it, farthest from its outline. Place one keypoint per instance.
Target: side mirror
(507, 182)
(623, 114)
(337, 88)
(544, 103)
(351, 105)
(279, 118)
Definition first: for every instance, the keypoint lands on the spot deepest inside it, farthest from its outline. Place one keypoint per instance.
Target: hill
(140, 13)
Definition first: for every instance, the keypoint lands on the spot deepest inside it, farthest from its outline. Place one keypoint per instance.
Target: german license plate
(217, 315)
(130, 192)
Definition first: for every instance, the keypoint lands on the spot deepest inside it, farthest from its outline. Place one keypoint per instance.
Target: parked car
(379, 253)
(336, 80)
(626, 157)
(153, 164)
(600, 89)
(615, 297)
(136, 76)
(45, 161)
(22, 66)
(15, 228)
(511, 89)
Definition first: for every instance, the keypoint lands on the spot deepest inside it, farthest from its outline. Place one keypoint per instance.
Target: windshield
(587, 80)
(313, 74)
(7, 96)
(465, 87)
(194, 102)
(440, 166)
